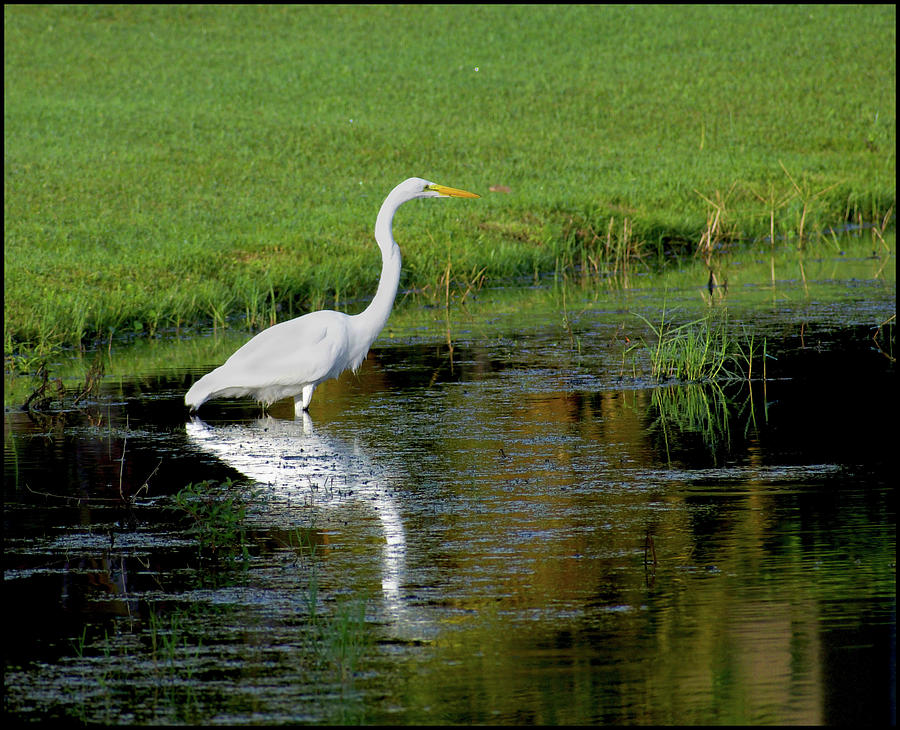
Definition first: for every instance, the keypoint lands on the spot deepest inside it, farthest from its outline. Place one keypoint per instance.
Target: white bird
(291, 358)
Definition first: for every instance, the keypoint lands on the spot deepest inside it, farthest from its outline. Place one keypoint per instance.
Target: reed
(807, 201)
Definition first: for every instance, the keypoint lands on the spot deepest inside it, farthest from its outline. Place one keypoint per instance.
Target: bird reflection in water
(300, 468)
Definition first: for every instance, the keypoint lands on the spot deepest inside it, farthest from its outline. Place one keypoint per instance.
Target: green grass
(700, 350)
(692, 351)
(338, 639)
(165, 166)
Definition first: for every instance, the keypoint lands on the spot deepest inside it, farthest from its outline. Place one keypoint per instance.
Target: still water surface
(514, 531)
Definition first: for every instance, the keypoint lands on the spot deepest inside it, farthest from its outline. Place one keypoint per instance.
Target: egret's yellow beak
(452, 192)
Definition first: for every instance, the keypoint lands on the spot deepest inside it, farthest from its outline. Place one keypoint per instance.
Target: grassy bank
(830, 278)
(164, 166)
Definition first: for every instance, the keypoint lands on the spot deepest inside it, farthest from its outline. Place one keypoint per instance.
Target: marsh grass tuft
(808, 200)
(745, 350)
(718, 226)
(345, 637)
(168, 653)
(692, 351)
(450, 288)
(699, 350)
(174, 661)
(593, 249)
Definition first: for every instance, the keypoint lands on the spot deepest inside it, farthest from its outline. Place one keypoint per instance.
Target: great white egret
(291, 358)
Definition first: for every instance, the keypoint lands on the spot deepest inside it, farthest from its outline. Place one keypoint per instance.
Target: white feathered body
(282, 360)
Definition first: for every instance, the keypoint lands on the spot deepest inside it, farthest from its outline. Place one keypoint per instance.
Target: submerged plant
(218, 513)
(343, 637)
(338, 639)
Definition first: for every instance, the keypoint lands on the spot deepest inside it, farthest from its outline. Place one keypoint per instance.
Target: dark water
(514, 532)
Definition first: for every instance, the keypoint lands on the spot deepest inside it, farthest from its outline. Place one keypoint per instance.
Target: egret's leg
(307, 395)
(301, 402)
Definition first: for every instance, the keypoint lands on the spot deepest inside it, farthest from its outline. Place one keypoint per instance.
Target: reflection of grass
(702, 409)
(884, 336)
(696, 408)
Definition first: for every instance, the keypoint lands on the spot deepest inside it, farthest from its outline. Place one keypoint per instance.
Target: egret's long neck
(375, 316)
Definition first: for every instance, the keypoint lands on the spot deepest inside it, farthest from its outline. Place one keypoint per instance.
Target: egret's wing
(280, 361)
(302, 350)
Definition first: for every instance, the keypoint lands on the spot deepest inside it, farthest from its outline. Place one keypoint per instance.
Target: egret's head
(416, 187)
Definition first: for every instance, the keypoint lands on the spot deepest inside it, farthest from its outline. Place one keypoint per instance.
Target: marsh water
(500, 523)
